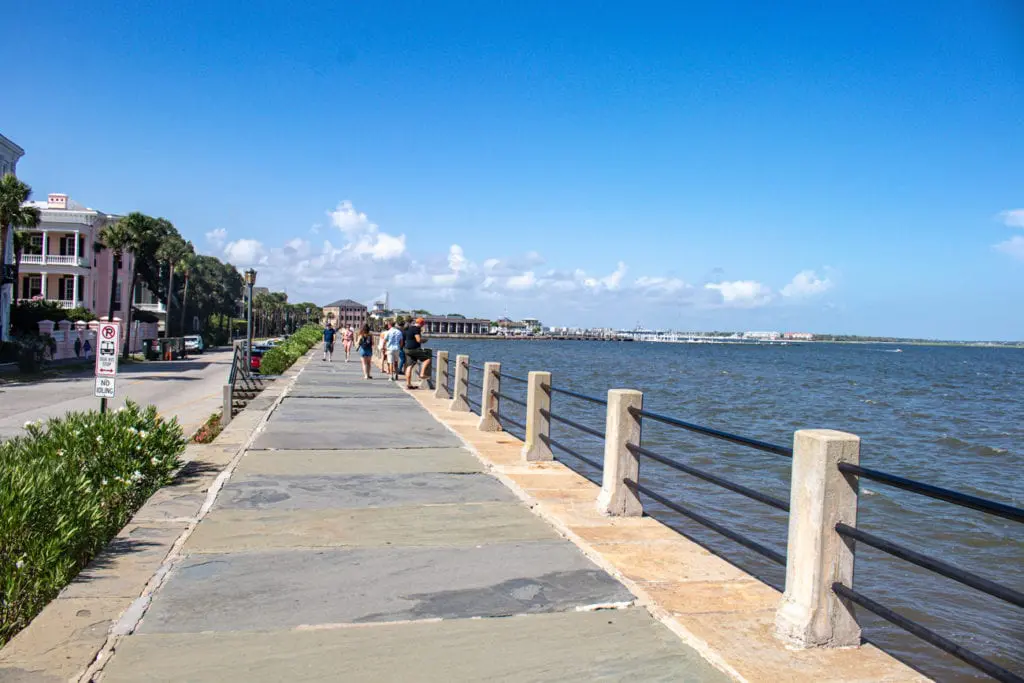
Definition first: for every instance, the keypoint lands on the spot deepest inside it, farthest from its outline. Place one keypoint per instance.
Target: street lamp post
(250, 281)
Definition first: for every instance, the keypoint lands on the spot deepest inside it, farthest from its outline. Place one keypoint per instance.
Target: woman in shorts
(365, 344)
(346, 339)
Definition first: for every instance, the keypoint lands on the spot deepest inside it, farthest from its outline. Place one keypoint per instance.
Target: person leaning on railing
(415, 353)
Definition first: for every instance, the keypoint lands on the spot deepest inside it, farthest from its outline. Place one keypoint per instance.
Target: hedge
(66, 488)
(280, 358)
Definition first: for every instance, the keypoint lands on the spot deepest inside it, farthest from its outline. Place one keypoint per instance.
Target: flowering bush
(280, 358)
(66, 488)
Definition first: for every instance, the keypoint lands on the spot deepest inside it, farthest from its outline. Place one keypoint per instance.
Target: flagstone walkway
(359, 540)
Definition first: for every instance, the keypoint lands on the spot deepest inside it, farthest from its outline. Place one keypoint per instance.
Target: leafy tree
(172, 251)
(185, 265)
(13, 194)
(22, 240)
(118, 238)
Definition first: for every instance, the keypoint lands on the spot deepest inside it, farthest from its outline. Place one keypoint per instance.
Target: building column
(74, 287)
(77, 255)
(46, 249)
(44, 276)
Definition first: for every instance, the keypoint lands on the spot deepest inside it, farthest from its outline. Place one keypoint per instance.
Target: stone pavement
(359, 540)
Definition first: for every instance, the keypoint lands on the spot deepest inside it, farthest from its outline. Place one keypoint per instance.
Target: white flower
(103, 483)
(99, 439)
(143, 433)
(30, 423)
(60, 452)
(19, 564)
(154, 461)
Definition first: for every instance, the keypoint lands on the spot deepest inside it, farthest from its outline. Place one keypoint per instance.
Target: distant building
(437, 324)
(769, 336)
(798, 336)
(9, 155)
(345, 313)
(63, 264)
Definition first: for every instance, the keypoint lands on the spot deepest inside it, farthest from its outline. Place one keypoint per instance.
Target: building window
(35, 244)
(66, 288)
(67, 245)
(35, 286)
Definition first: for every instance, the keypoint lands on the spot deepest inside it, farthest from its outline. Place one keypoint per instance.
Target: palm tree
(13, 194)
(172, 251)
(118, 238)
(144, 240)
(22, 240)
(185, 264)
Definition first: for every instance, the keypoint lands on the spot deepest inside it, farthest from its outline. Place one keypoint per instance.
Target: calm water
(949, 416)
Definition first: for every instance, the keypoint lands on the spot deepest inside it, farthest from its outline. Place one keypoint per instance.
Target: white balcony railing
(53, 260)
(64, 303)
(153, 307)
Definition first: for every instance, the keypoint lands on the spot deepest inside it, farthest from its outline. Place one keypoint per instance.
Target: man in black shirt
(414, 352)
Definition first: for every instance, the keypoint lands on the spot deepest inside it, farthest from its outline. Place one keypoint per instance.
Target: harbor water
(948, 416)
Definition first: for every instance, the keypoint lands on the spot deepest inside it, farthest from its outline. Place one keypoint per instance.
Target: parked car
(194, 343)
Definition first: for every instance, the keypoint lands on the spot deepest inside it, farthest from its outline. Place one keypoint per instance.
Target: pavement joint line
(130, 618)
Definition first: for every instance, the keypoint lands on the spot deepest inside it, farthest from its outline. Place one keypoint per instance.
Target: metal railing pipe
(718, 434)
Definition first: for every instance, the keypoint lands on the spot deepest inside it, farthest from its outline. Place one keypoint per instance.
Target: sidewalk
(359, 540)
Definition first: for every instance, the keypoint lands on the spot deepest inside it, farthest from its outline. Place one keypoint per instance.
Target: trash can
(149, 349)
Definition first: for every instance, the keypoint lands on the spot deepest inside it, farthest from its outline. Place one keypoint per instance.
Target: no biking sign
(107, 339)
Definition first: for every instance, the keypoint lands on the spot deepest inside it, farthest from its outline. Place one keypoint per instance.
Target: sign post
(107, 345)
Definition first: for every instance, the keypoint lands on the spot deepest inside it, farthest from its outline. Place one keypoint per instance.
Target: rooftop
(344, 303)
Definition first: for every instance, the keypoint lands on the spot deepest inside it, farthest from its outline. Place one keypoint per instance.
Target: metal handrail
(582, 397)
(931, 564)
(504, 419)
(716, 433)
(515, 379)
(551, 442)
(572, 423)
(470, 383)
(758, 548)
(476, 367)
(505, 397)
(948, 495)
(776, 503)
(992, 669)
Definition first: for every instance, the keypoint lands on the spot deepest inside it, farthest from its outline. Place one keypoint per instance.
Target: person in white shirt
(393, 339)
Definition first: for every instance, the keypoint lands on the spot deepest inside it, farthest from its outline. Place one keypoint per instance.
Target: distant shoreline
(545, 338)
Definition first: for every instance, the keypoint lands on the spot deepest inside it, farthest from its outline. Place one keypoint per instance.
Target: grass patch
(66, 488)
(210, 430)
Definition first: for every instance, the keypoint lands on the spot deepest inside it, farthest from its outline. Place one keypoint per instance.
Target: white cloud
(661, 285)
(522, 282)
(217, 238)
(1013, 218)
(364, 238)
(244, 252)
(804, 284)
(741, 293)
(1013, 247)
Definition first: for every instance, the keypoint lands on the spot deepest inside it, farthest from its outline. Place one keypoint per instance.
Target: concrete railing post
(489, 400)
(460, 392)
(441, 388)
(811, 614)
(622, 427)
(538, 427)
(228, 408)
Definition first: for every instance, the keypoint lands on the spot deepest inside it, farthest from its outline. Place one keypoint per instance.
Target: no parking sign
(106, 358)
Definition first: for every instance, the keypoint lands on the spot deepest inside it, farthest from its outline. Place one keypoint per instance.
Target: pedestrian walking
(328, 342)
(78, 347)
(87, 347)
(382, 346)
(346, 339)
(394, 339)
(401, 350)
(416, 353)
(365, 344)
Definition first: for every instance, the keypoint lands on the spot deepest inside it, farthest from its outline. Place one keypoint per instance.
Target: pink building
(63, 262)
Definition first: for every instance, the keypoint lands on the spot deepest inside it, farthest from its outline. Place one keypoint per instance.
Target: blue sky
(847, 167)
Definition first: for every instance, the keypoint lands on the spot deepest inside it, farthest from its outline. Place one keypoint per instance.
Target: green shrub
(66, 488)
(281, 357)
(33, 351)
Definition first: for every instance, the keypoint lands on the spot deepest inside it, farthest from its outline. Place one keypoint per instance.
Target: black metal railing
(714, 433)
(931, 564)
(565, 448)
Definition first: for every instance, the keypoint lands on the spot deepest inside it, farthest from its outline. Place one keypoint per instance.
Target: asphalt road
(189, 390)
